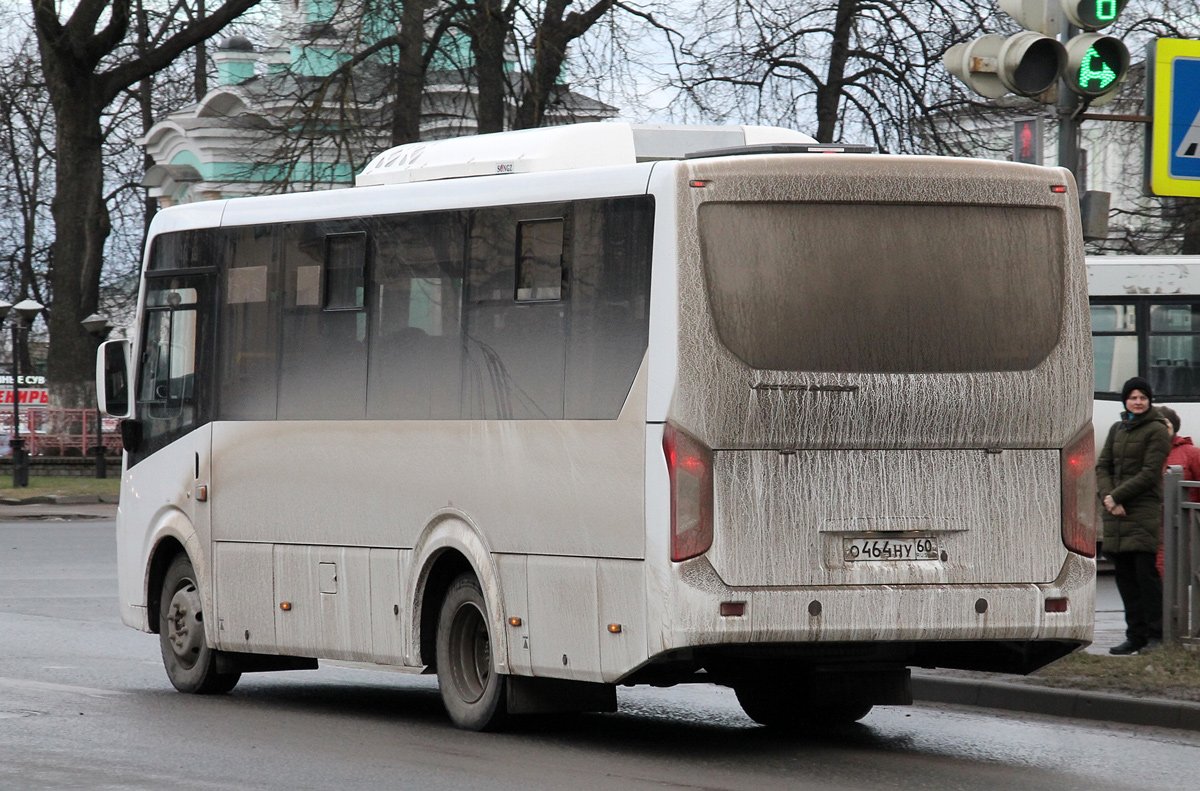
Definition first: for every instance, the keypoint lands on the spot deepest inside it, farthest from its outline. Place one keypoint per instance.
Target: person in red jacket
(1184, 454)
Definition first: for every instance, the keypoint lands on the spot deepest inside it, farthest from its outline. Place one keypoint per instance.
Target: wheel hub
(185, 625)
(470, 652)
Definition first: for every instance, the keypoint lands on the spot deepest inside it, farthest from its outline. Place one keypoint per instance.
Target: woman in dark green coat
(1129, 480)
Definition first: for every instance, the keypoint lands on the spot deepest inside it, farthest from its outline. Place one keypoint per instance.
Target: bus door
(173, 398)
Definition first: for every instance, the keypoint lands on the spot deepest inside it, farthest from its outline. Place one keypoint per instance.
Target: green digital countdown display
(1094, 14)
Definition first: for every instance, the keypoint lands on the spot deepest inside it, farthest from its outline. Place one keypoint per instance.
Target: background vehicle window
(1173, 355)
(1114, 346)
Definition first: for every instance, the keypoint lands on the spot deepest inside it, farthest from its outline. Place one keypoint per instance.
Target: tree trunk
(553, 36)
(829, 94)
(410, 74)
(200, 76)
(146, 110)
(82, 225)
(489, 30)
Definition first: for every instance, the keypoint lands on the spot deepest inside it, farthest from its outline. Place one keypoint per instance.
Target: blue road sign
(1175, 147)
(1185, 119)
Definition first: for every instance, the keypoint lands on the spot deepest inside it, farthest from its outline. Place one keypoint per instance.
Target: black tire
(472, 692)
(187, 657)
(791, 710)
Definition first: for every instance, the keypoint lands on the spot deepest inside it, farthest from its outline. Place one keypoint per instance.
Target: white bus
(1146, 322)
(550, 411)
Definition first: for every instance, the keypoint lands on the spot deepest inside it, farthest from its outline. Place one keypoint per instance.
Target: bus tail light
(1079, 493)
(689, 464)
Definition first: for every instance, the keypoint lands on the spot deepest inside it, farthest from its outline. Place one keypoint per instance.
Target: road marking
(44, 686)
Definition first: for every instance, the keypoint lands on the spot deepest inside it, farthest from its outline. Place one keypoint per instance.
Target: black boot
(1126, 648)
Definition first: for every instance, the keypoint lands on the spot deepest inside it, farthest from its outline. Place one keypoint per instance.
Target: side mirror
(112, 378)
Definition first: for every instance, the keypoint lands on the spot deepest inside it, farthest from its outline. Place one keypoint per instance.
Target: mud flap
(878, 687)
(553, 695)
(233, 662)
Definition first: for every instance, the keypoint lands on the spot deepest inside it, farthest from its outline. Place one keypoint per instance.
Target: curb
(61, 499)
(1180, 715)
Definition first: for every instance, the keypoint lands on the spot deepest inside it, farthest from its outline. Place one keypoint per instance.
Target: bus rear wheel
(788, 709)
(472, 692)
(187, 657)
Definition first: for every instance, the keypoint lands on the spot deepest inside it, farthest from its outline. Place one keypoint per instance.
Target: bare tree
(88, 62)
(26, 165)
(844, 68)
(539, 33)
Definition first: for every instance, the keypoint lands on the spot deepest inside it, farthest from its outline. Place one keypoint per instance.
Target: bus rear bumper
(942, 625)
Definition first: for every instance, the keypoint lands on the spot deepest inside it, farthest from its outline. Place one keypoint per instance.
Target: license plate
(889, 549)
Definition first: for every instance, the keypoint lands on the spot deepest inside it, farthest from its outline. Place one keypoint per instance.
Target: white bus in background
(1146, 322)
(550, 411)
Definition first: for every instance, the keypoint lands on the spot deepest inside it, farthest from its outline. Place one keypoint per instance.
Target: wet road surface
(84, 703)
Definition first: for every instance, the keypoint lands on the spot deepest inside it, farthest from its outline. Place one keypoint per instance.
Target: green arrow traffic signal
(1095, 64)
(1095, 74)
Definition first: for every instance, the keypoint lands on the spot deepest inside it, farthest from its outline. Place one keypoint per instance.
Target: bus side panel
(545, 487)
(244, 596)
(564, 621)
(158, 499)
(387, 611)
(329, 590)
(621, 597)
(513, 579)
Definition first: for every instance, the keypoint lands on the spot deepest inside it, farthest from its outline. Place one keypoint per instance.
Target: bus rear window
(884, 288)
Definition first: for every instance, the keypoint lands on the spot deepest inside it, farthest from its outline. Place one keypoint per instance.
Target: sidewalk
(930, 686)
(58, 508)
(990, 692)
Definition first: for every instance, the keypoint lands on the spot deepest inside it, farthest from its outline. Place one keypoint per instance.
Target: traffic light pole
(1068, 121)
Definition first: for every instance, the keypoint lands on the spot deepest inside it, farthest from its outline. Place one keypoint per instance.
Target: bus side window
(610, 304)
(247, 377)
(539, 260)
(323, 359)
(416, 346)
(516, 349)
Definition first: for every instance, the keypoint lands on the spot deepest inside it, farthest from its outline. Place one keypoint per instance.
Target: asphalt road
(84, 704)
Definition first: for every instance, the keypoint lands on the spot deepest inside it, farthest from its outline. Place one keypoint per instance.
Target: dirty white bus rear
(554, 411)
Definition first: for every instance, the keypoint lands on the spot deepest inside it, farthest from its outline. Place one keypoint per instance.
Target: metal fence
(1181, 560)
(60, 432)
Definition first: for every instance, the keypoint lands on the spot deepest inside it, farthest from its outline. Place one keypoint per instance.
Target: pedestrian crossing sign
(1174, 93)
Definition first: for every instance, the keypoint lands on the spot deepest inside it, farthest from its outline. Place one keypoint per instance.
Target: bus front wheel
(187, 657)
(473, 693)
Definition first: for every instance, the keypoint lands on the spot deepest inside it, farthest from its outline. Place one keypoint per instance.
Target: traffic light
(1092, 14)
(1029, 63)
(1096, 64)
